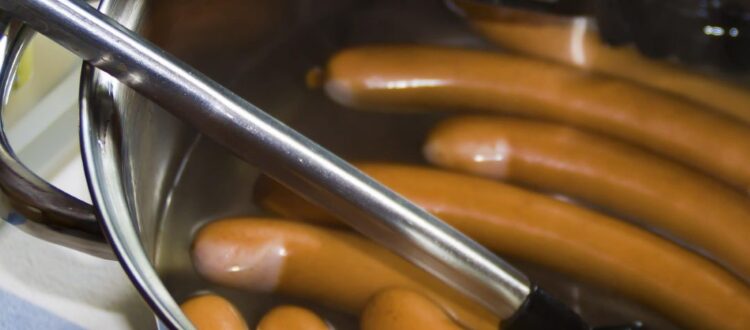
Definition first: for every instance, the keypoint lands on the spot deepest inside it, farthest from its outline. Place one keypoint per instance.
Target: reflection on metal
(718, 31)
(27, 201)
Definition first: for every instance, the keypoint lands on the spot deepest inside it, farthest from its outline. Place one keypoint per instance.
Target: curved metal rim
(36, 206)
(100, 155)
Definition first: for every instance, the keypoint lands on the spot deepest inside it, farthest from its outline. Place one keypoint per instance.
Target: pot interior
(175, 180)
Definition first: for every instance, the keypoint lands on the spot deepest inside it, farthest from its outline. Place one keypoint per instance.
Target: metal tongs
(297, 162)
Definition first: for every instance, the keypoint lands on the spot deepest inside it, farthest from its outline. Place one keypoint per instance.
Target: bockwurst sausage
(400, 309)
(289, 317)
(212, 312)
(410, 77)
(331, 267)
(605, 172)
(573, 41)
(516, 223)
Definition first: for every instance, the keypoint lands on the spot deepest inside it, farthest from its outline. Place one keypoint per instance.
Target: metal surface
(29, 202)
(279, 151)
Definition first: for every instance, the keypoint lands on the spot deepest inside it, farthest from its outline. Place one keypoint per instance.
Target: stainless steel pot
(146, 168)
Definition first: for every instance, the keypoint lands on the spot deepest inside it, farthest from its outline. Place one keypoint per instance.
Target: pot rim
(100, 153)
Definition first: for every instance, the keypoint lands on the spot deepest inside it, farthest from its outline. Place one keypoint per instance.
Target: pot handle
(27, 201)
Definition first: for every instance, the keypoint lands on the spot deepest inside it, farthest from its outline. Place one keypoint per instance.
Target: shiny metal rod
(279, 151)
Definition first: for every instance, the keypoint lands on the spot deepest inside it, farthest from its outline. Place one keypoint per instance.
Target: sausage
(270, 196)
(405, 77)
(605, 172)
(212, 312)
(288, 317)
(515, 223)
(574, 42)
(331, 267)
(399, 309)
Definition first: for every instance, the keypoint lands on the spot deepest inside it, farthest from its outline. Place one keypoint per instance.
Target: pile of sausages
(670, 164)
(398, 309)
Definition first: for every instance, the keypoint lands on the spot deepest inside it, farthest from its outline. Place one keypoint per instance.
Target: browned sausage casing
(689, 289)
(289, 317)
(212, 312)
(614, 175)
(423, 77)
(574, 41)
(400, 309)
(331, 267)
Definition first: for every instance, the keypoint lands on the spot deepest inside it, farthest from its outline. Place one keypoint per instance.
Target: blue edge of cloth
(17, 313)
